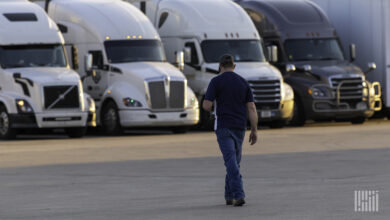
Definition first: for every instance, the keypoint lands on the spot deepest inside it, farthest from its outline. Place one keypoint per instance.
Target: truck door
(192, 68)
(96, 83)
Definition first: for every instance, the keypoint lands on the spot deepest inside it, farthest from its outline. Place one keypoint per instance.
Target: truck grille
(176, 94)
(266, 93)
(158, 96)
(351, 90)
(58, 97)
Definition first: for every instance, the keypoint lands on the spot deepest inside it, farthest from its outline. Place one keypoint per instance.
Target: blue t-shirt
(231, 93)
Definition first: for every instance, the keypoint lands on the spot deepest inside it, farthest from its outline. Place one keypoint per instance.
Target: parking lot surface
(293, 173)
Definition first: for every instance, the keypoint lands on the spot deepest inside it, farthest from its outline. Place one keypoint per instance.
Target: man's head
(226, 63)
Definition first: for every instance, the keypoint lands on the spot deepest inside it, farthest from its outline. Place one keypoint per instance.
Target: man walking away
(233, 100)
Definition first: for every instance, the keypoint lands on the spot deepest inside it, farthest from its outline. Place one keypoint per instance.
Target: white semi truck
(365, 23)
(131, 83)
(37, 87)
(205, 30)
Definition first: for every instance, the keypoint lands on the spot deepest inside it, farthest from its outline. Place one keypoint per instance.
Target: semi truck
(327, 85)
(365, 23)
(204, 31)
(132, 84)
(38, 89)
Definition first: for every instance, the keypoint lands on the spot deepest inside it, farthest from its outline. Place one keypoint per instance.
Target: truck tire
(76, 132)
(180, 130)
(358, 120)
(6, 132)
(110, 119)
(299, 118)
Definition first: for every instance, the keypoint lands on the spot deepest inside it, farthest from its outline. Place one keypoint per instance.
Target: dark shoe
(229, 202)
(239, 202)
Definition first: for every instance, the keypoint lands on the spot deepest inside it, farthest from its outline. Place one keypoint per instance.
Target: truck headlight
(129, 102)
(288, 92)
(319, 92)
(193, 102)
(91, 104)
(23, 106)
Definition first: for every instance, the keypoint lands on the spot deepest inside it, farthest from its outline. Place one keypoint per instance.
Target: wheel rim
(4, 123)
(110, 119)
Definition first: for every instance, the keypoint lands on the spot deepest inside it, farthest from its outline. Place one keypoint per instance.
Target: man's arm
(207, 105)
(252, 114)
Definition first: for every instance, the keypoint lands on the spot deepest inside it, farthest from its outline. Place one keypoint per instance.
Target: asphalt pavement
(280, 183)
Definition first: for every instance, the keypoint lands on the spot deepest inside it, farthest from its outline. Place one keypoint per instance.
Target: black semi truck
(300, 40)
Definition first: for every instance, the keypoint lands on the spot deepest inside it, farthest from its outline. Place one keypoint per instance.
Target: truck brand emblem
(60, 97)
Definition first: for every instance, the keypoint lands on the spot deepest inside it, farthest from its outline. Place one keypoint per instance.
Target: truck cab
(327, 86)
(132, 83)
(206, 30)
(37, 87)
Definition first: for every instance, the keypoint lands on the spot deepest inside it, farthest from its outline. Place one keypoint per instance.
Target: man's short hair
(226, 61)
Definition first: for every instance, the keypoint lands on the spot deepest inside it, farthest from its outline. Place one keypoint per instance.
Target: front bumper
(285, 112)
(147, 118)
(49, 120)
(330, 109)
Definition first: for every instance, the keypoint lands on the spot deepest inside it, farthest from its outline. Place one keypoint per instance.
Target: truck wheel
(359, 120)
(299, 114)
(76, 132)
(278, 124)
(180, 130)
(110, 119)
(6, 132)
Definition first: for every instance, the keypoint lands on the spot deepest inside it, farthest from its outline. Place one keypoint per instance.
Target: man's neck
(227, 70)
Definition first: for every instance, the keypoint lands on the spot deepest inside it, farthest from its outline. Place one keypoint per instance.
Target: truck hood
(251, 70)
(148, 70)
(325, 69)
(47, 75)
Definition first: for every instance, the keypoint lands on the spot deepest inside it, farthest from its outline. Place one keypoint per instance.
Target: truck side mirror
(75, 57)
(290, 68)
(180, 60)
(307, 68)
(88, 62)
(272, 53)
(371, 67)
(352, 52)
(187, 55)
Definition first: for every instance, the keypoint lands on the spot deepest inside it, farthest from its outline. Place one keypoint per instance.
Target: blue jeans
(230, 143)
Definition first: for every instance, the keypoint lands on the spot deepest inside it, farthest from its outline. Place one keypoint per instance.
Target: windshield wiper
(14, 66)
(328, 58)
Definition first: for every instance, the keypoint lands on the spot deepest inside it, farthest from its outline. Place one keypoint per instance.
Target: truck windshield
(241, 50)
(313, 49)
(32, 56)
(123, 51)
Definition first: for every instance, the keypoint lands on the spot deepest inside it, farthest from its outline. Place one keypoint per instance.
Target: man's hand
(253, 137)
(253, 120)
(207, 105)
